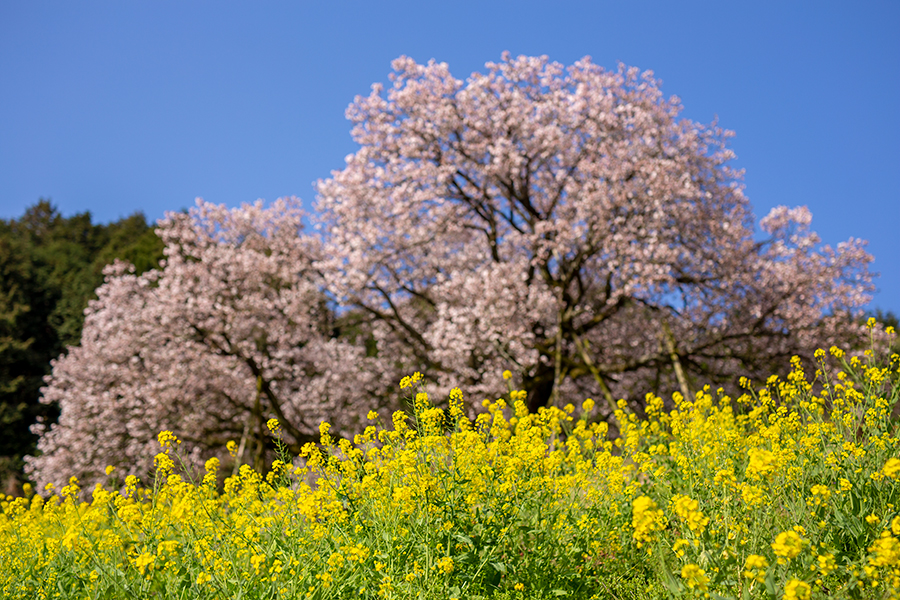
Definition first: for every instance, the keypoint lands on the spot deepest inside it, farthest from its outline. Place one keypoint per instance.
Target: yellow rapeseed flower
(892, 468)
(820, 495)
(826, 563)
(211, 467)
(144, 562)
(762, 463)
(164, 463)
(787, 545)
(797, 590)
(167, 439)
(695, 577)
(445, 564)
(646, 519)
(257, 561)
(456, 403)
(885, 551)
(755, 567)
(688, 510)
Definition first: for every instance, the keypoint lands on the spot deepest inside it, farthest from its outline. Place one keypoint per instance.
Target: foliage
(565, 223)
(49, 268)
(791, 490)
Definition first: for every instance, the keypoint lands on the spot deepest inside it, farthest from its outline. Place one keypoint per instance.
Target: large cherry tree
(568, 225)
(231, 331)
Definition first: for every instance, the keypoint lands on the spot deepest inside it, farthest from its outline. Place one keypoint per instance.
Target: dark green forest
(50, 267)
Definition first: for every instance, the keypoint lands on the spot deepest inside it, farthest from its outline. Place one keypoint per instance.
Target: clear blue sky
(117, 107)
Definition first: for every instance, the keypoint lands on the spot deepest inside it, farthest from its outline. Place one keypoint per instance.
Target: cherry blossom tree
(232, 331)
(566, 224)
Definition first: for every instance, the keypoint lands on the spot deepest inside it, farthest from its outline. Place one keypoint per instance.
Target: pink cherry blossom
(232, 331)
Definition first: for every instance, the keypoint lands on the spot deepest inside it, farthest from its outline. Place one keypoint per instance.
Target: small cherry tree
(566, 224)
(231, 331)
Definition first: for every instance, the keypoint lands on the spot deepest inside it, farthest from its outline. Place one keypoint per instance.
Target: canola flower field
(791, 490)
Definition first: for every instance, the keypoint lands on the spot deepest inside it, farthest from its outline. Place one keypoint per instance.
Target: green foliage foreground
(788, 491)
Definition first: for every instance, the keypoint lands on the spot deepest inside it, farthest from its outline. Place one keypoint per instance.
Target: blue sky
(117, 107)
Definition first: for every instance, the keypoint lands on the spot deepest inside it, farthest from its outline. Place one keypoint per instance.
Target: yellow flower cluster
(755, 567)
(787, 545)
(789, 490)
(694, 577)
(689, 512)
(646, 519)
(796, 589)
